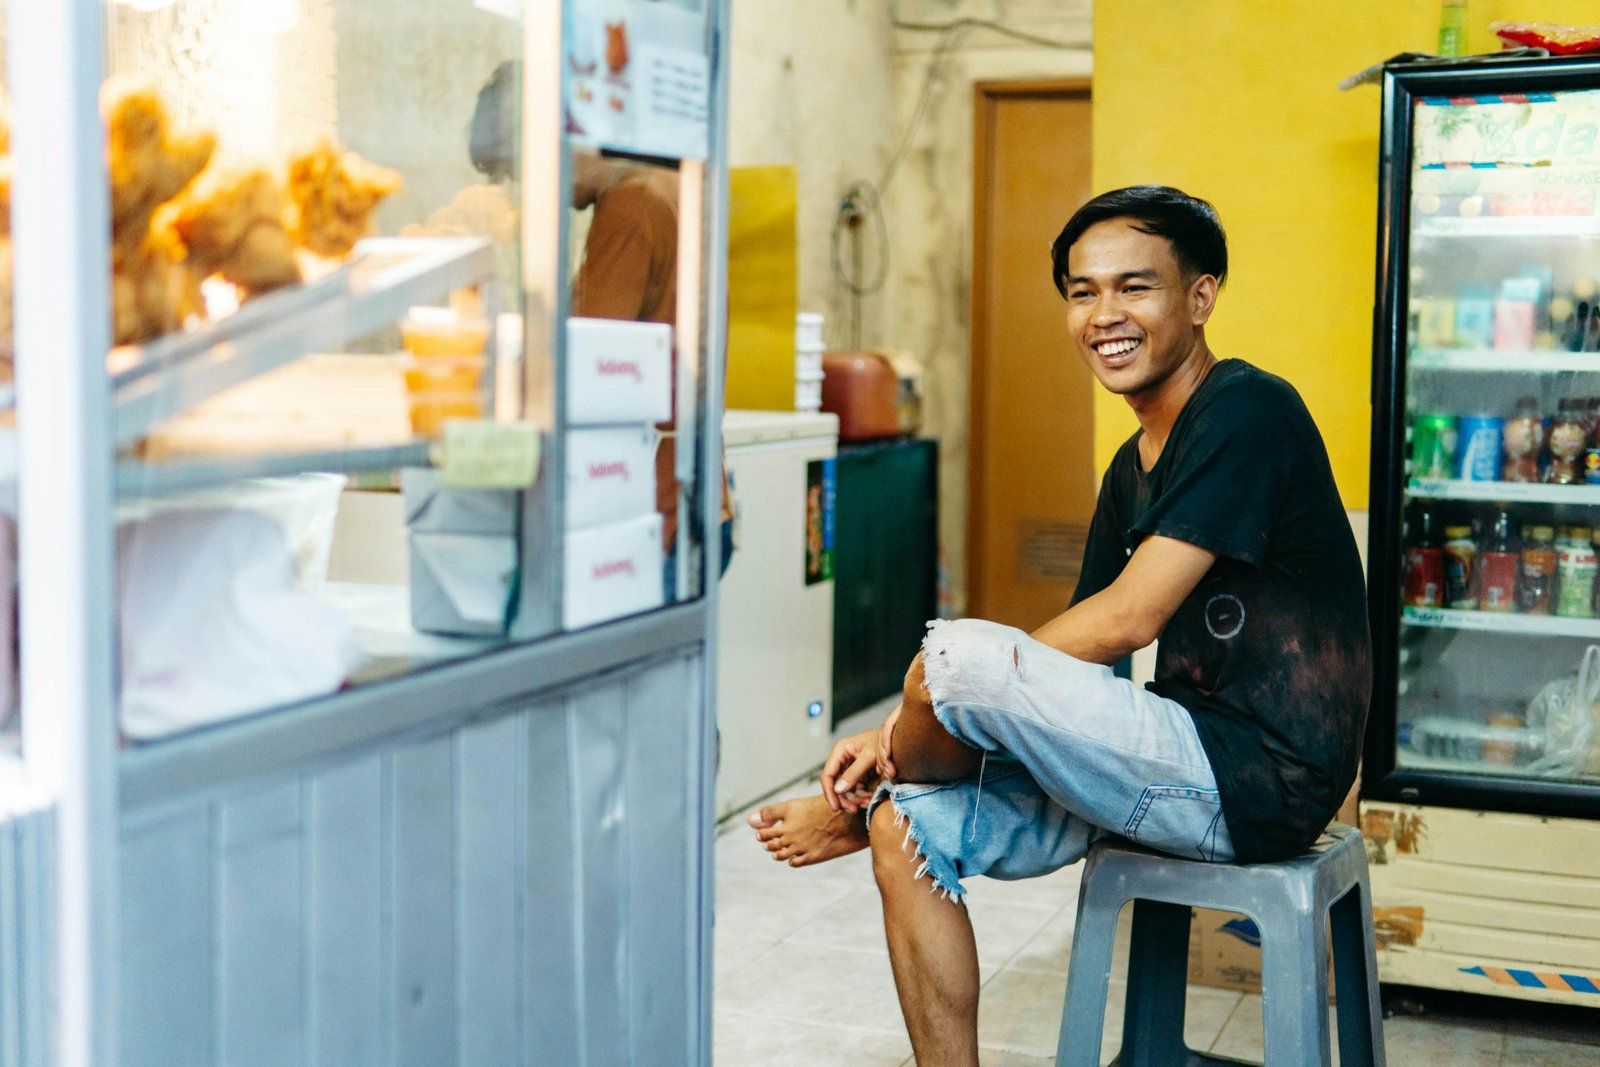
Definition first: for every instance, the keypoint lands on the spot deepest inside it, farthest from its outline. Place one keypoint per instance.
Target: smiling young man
(1218, 531)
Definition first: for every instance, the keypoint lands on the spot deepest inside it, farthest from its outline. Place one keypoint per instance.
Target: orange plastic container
(860, 388)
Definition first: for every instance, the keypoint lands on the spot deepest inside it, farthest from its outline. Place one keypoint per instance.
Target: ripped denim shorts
(1071, 753)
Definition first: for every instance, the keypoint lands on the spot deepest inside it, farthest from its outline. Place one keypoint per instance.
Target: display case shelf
(156, 381)
(1508, 226)
(1502, 492)
(136, 478)
(1494, 361)
(1501, 622)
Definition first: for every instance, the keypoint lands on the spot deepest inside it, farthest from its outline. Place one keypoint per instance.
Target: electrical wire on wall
(861, 205)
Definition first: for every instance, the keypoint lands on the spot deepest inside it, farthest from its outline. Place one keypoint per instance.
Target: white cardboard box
(611, 475)
(618, 372)
(612, 571)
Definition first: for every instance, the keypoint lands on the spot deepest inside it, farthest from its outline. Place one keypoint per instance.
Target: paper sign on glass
(483, 454)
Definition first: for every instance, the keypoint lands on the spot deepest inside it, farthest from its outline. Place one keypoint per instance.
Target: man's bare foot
(806, 831)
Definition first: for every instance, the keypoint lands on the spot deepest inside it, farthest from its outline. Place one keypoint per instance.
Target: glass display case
(1486, 450)
(366, 373)
(394, 380)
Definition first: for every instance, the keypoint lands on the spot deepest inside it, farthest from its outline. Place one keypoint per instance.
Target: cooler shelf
(1502, 492)
(1494, 361)
(1508, 226)
(1501, 622)
(1409, 759)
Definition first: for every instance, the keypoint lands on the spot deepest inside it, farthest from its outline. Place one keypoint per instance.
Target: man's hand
(850, 771)
(885, 734)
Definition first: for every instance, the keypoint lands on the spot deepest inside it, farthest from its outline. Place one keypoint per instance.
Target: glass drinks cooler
(1485, 516)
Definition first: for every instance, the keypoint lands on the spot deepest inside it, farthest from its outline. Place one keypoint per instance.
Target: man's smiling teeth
(1116, 348)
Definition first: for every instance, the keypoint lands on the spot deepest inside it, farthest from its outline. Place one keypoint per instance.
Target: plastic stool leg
(1083, 1014)
(1294, 986)
(1355, 978)
(1158, 976)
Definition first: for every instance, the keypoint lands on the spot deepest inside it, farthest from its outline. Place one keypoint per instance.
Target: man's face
(1133, 316)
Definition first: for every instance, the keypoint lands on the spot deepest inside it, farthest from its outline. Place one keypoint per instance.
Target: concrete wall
(931, 205)
(813, 88)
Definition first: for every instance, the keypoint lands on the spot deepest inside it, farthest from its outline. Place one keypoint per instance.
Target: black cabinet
(886, 566)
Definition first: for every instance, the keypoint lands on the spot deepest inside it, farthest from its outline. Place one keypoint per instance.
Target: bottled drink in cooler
(1569, 436)
(1501, 559)
(1575, 573)
(1460, 568)
(1424, 561)
(1538, 570)
(1523, 434)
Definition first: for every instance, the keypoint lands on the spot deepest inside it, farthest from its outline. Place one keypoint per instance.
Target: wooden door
(1031, 476)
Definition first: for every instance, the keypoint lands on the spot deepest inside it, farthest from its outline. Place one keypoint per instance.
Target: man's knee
(915, 688)
(891, 863)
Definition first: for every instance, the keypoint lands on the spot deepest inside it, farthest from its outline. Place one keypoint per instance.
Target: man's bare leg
(932, 951)
(806, 831)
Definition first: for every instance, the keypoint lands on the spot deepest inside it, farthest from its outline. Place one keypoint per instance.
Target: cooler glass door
(1486, 457)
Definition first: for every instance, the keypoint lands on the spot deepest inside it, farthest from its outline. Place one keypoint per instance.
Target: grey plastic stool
(1292, 903)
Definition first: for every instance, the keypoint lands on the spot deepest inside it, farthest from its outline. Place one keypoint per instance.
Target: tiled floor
(802, 979)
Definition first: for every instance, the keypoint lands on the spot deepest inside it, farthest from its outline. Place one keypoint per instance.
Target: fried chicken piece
(7, 337)
(6, 169)
(231, 223)
(149, 163)
(477, 210)
(144, 294)
(334, 195)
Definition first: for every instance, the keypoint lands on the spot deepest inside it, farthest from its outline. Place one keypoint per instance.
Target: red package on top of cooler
(1558, 40)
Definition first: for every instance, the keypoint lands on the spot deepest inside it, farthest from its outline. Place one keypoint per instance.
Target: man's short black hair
(1188, 223)
(492, 141)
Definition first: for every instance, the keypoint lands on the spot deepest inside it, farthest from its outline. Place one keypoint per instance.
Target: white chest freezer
(775, 617)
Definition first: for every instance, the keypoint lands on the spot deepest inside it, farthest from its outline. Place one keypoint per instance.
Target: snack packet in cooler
(1557, 39)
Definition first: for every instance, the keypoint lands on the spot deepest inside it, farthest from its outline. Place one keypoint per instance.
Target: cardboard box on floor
(1225, 952)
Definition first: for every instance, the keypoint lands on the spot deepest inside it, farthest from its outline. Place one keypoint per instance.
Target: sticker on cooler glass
(1224, 616)
(820, 484)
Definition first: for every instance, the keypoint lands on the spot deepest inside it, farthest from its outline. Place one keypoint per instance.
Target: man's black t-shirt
(1270, 653)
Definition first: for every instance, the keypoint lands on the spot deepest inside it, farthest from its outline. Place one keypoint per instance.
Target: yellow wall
(762, 258)
(1236, 101)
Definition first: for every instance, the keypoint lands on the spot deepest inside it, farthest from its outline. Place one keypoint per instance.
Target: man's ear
(1202, 299)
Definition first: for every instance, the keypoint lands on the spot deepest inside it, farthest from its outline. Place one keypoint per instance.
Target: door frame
(985, 96)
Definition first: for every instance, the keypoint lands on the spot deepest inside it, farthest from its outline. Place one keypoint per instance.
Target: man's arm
(1129, 613)
(611, 282)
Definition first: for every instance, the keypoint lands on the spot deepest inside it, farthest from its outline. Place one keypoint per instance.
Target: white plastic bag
(212, 626)
(1564, 709)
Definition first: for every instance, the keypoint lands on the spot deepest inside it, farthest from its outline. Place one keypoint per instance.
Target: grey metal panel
(491, 782)
(261, 967)
(25, 930)
(533, 875)
(661, 714)
(345, 914)
(11, 876)
(304, 738)
(603, 817)
(168, 961)
(552, 1005)
(422, 888)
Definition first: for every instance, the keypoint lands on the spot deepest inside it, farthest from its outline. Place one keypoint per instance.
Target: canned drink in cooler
(1478, 448)
(1433, 446)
